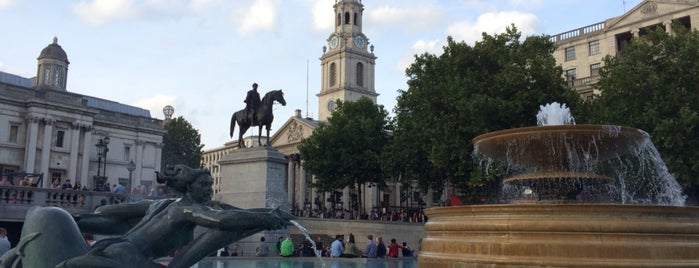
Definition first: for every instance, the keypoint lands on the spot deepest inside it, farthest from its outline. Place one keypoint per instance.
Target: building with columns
(581, 51)
(347, 74)
(46, 129)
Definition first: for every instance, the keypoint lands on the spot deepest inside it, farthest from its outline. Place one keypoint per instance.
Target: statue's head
(195, 182)
(254, 86)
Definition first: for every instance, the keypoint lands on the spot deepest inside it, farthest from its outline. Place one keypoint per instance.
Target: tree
(653, 84)
(346, 150)
(498, 83)
(181, 144)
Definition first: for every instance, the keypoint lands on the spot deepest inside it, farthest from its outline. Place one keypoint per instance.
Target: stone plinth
(254, 178)
(575, 235)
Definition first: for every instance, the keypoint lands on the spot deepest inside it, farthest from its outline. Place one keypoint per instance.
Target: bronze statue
(146, 230)
(263, 114)
(252, 102)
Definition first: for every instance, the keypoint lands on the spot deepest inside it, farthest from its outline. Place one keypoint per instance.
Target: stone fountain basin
(560, 235)
(555, 147)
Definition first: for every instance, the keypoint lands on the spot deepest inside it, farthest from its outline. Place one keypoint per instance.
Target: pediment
(292, 132)
(650, 9)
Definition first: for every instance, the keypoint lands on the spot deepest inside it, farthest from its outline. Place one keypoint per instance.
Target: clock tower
(348, 60)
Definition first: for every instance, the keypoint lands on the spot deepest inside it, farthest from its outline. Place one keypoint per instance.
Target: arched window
(333, 74)
(360, 74)
(338, 19)
(355, 18)
(347, 18)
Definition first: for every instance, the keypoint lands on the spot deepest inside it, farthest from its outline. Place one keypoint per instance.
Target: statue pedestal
(254, 178)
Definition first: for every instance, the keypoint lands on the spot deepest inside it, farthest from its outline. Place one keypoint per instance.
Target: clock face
(333, 42)
(331, 106)
(359, 42)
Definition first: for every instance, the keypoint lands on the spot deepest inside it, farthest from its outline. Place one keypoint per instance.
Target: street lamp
(131, 167)
(102, 149)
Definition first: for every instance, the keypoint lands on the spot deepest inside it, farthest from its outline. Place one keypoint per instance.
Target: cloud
(418, 48)
(102, 11)
(410, 19)
(7, 3)
(261, 15)
(323, 19)
(156, 103)
(492, 23)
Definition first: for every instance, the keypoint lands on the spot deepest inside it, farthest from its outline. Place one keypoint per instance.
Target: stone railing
(16, 200)
(578, 32)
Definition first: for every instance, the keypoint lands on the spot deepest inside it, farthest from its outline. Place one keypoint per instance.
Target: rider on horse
(252, 101)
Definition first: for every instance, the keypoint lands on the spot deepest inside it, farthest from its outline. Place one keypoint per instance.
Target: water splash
(304, 231)
(554, 114)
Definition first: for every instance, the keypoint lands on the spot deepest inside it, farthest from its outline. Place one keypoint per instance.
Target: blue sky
(201, 56)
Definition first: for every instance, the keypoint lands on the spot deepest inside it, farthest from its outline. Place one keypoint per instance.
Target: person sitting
(336, 247)
(407, 251)
(67, 185)
(351, 250)
(393, 249)
(287, 248)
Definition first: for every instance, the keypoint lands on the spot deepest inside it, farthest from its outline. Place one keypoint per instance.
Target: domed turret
(53, 67)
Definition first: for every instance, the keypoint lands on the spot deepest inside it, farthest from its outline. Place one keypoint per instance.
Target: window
(594, 69)
(14, 133)
(347, 18)
(355, 18)
(60, 135)
(127, 153)
(570, 76)
(570, 53)
(360, 74)
(333, 74)
(594, 47)
(56, 175)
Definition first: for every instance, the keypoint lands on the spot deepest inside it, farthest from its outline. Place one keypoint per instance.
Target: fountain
(602, 198)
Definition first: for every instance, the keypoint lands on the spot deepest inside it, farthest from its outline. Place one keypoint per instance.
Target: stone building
(580, 51)
(347, 74)
(46, 129)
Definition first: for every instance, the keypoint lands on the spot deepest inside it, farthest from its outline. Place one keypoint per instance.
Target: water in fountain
(308, 237)
(563, 162)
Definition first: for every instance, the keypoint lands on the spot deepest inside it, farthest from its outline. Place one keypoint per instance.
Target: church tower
(52, 72)
(348, 61)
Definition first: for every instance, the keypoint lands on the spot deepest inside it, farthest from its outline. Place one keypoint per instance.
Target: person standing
(380, 248)
(262, 249)
(252, 101)
(370, 250)
(336, 248)
(4, 243)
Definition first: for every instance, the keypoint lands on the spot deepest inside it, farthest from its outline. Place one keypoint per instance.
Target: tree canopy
(498, 83)
(653, 84)
(346, 150)
(181, 144)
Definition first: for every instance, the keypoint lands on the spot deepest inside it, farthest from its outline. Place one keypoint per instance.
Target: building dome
(54, 51)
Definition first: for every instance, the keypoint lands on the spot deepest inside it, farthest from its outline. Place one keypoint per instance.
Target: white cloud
(323, 19)
(261, 15)
(409, 19)
(493, 23)
(7, 3)
(156, 103)
(418, 48)
(101, 11)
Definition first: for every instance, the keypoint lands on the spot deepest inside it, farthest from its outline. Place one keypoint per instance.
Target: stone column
(397, 195)
(345, 198)
(87, 152)
(46, 150)
(313, 193)
(136, 175)
(30, 150)
(668, 27)
(159, 157)
(74, 147)
(635, 33)
(302, 186)
(291, 178)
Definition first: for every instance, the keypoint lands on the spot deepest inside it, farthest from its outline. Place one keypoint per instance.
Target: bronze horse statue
(264, 116)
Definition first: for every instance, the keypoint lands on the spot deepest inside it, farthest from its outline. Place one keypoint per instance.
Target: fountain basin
(561, 235)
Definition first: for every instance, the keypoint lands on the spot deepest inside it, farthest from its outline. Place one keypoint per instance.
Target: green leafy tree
(496, 84)
(346, 151)
(653, 84)
(181, 144)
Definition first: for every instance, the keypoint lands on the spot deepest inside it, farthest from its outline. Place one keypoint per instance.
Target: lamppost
(131, 167)
(102, 149)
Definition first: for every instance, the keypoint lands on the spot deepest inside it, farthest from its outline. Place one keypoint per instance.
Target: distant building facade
(580, 51)
(45, 129)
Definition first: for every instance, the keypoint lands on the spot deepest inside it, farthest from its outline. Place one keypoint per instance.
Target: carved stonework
(295, 132)
(139, 142)
(649, 9)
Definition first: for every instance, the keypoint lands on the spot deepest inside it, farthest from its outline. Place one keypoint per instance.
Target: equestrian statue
(256, 113)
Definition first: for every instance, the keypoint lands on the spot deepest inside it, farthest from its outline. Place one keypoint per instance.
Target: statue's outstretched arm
(238, 219)
(113, 219)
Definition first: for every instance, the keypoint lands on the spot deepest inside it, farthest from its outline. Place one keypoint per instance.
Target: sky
(202, 56)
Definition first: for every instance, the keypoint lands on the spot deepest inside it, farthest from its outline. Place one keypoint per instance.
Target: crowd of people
(376, 214)
(338, 248)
